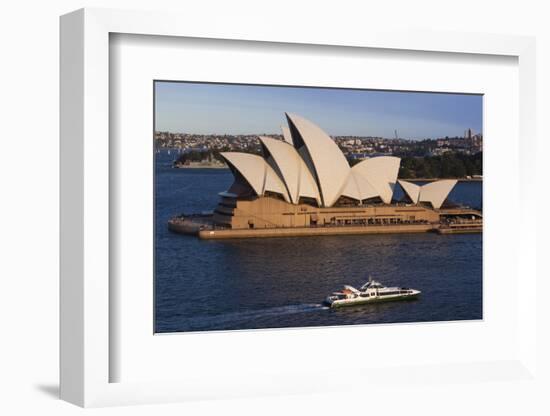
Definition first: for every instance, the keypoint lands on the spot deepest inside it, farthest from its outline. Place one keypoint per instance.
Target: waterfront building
(304, 181)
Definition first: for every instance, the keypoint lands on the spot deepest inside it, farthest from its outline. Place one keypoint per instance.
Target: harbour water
(281, 282)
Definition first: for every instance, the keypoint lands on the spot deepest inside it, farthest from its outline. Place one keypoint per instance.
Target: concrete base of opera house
(271, 217)
(210, 233)
(315, 231)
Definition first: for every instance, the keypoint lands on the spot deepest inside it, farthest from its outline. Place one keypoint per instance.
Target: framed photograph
(374, 204)
(248, 216)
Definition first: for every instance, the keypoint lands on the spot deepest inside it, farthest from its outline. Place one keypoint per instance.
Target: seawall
(207, 234)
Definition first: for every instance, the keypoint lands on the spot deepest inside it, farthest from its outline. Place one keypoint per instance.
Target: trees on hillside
(451, 165)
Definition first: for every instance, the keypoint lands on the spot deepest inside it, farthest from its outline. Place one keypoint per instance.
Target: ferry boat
(370, 292)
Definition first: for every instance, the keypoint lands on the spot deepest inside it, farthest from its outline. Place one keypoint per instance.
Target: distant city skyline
(203, 108)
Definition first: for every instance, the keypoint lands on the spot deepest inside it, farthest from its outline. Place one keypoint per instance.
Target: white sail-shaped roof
(256, 171)
(358, 187)
(436, 192)
(274, 184)
(322, 156)
(381, 172)
(286, 134)
(412, 190)
(292, 169)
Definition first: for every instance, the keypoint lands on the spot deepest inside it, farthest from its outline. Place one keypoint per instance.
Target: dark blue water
(281, 282)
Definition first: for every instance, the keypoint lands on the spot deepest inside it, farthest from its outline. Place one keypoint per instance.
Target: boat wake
(251, 316)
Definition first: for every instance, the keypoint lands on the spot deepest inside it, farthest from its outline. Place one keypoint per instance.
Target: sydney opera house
(304, 185)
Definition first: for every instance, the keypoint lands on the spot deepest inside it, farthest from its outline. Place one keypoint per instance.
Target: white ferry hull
(371, 299)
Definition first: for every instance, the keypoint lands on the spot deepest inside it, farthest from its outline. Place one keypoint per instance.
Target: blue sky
(250, 109)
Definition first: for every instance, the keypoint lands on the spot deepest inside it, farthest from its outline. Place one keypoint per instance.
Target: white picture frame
(86, 356)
